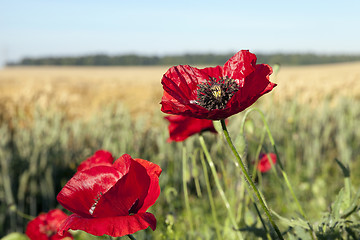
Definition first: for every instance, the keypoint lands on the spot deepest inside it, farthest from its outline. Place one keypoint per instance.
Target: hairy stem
(249, 180)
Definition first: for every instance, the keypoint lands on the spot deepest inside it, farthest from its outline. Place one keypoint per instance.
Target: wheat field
(83, 91)
(52, 118)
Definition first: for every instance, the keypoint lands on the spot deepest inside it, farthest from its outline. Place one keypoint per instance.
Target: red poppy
(215, 92)
(112, 200)
(45, 226)
(264, 164)
(181, 127)
(101, 157)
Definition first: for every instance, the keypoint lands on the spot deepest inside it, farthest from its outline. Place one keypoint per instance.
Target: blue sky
(36, 28)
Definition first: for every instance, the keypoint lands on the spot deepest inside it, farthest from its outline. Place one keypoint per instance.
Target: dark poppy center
(215, 93)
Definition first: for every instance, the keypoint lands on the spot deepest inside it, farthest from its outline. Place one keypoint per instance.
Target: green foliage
(39, 155)
(15, 236)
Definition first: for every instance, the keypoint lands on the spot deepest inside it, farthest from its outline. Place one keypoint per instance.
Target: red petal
(240, 65)
(33, 228)
(127, 195)
(255, 85)
(171, 105)
(153, 192)
(180, 85)
(55, 217)
(181, 82)
(181, 127)
(214, 72)
(45, 226)
(112, 226)
(81, 191)
(257, 82)
(264, 164)
(100, 158)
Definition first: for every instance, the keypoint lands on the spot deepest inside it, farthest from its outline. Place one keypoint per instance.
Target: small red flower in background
(264, 163)
(215, 92)
(45, 226)
(181, 127)
(111, 200)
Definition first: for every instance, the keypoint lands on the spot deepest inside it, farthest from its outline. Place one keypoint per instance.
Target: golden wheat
(82, 91)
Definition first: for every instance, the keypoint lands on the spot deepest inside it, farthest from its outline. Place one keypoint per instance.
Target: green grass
(38, 156)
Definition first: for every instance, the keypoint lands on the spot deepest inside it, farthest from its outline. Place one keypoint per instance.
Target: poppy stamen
(215, 93)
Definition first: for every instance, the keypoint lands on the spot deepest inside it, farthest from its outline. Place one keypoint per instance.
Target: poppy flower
(181, 127)
(45, 226)
(264, 163)
(111, 200)
(215, 92)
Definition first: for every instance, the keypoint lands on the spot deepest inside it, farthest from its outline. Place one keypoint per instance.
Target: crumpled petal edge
(113, 226)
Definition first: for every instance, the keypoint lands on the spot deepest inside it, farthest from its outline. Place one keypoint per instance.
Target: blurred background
(77, 76)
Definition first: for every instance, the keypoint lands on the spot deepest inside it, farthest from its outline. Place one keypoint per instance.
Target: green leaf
(301, 233)
(335, 213)
(292, 222)
(218, 128)
(353, 206)
(15, 236)
(344, 169)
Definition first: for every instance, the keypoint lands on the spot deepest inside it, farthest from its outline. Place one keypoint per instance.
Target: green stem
(211, 200)
(257, 154)
(195, 173)
(21, 214)
(249, 180)
(288, 184)
(131, 237)
(262, 221)
(186, 195)
(9, 199)
(218, 185)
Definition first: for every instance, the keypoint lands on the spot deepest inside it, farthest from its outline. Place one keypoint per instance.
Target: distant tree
(190, 59)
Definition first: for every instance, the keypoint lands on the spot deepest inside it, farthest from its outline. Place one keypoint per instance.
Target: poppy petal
(100, 158)
(45, 226)
(113, 226)
(82, 191)
(181, 127)
(214, 72)
(264, 164)
(180, 82)
(153, 171)
(257, 82)
(240, 65)
(256, 85)
(127, 195)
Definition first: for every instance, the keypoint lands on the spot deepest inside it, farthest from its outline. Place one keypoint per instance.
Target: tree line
(189, 59)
